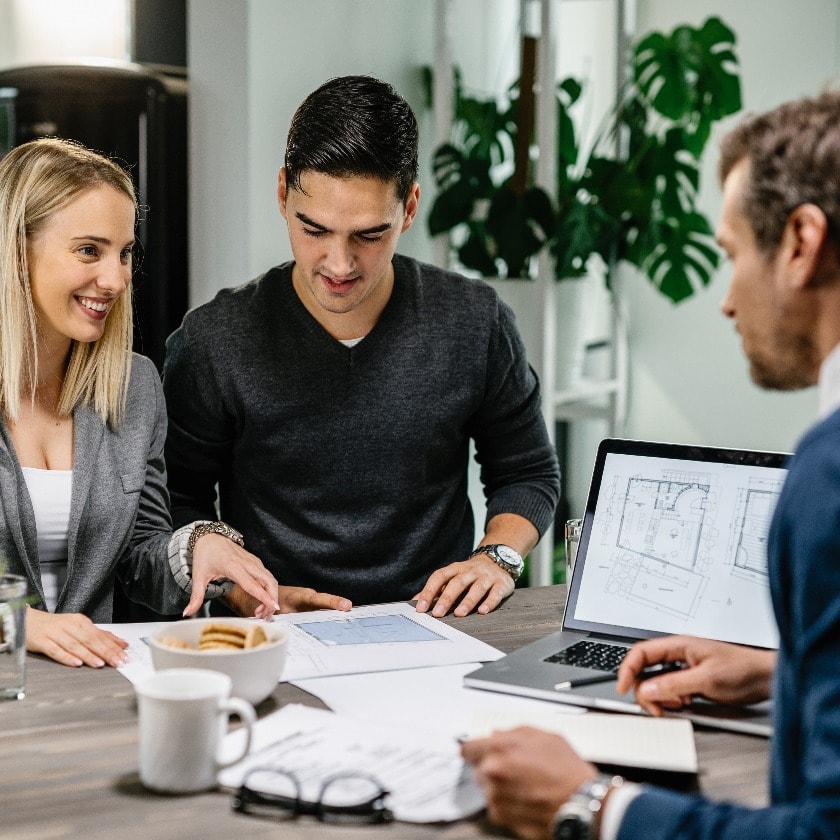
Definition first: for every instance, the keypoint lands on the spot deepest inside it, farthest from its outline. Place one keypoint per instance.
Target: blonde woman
(83, 498)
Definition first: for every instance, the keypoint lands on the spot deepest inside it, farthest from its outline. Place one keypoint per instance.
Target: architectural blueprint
(681, 547)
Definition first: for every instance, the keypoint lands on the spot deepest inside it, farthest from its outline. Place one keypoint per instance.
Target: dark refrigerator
(137, 115)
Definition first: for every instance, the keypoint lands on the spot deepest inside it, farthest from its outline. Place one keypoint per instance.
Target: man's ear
(804, 244)
(282, 190)
(411, 204)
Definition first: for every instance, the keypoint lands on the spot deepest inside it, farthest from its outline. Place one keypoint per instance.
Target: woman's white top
(50, 492)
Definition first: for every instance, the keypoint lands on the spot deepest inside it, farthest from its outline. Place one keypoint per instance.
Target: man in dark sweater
(331, 401)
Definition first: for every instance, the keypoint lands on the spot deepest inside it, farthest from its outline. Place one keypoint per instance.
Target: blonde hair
(37, 179)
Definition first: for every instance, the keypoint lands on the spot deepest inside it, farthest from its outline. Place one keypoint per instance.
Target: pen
(660, 668)
(581, 681)
(644, 674)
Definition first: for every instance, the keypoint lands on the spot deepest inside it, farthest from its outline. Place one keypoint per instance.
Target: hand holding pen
(718, 671)
(610, 676)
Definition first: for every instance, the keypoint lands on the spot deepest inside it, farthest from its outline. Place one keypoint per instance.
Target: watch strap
(492, 551)
(180, 564)
(218, 527)
(578, 818)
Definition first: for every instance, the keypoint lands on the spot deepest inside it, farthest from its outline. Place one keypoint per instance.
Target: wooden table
(68, 756)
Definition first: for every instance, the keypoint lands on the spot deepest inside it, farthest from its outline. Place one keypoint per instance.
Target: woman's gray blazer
(119, 514)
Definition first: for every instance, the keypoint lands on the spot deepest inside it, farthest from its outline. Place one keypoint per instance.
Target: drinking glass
(12, 636)
(573, 527)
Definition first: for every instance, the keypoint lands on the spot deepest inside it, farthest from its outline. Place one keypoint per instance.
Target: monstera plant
(629, 196)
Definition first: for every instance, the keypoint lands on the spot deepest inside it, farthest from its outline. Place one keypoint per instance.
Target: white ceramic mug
(183, 714)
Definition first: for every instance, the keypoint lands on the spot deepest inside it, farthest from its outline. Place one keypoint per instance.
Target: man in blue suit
(780, 227)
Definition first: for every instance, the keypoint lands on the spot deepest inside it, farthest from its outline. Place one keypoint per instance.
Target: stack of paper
(425, 775)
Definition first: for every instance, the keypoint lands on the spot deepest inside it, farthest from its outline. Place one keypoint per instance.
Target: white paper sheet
(380, 637)
(426, 699)
(424, 774)
(139, 656)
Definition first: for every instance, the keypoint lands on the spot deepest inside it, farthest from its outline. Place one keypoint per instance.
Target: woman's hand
(73, 639)
(215, 556)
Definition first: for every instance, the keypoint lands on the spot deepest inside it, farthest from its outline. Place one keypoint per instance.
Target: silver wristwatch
(576, 818)
(508, 558)
(214, 528)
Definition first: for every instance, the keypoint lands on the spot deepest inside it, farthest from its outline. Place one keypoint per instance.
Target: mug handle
(248, 716)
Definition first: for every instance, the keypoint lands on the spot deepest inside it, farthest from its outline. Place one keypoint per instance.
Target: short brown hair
(354, 125)
(794, 159)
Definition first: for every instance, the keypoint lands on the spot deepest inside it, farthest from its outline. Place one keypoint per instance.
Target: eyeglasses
(343, 797)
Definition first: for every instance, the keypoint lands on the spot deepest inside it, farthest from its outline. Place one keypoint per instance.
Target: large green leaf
(568, 92)
(462, 182)
(718, 39)
(452, 206)
(688, 77)
(582, 228)
(669, 174)
(659, 72)
(474, 252)
(520, 225)
(684, 253)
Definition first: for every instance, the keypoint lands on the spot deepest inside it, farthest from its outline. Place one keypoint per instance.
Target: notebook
(673, 540)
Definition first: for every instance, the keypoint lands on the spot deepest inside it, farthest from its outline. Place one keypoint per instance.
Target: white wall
(220, 133)
(690, 381)
(251, 64)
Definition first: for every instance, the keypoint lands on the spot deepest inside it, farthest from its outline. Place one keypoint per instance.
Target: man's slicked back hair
(354, 125)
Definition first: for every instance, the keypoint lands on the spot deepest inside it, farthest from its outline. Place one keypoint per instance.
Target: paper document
(426, 778)
(427, 699)
(381, 637)
(139, 656)
(626, 740)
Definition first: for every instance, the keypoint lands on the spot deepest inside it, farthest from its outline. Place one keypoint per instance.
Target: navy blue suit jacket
(804, 568)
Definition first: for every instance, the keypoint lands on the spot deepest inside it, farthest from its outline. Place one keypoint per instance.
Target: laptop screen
(674, 540)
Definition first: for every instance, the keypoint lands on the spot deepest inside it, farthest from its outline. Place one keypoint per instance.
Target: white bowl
(255, 672)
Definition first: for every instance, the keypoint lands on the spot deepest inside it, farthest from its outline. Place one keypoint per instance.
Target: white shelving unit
(588, 398)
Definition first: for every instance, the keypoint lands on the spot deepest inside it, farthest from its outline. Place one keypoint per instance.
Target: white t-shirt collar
(828, 384)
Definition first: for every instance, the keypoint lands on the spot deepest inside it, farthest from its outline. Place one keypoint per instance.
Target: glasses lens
(353, 798)
(268, 792)
(346, 798)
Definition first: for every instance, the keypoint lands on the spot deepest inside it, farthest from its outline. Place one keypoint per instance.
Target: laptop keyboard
(596, 655)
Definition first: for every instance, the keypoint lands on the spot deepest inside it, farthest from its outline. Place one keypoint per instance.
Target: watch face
(509, 556)
(570, 827)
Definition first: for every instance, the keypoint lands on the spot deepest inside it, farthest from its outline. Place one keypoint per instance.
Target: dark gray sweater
(346, 468)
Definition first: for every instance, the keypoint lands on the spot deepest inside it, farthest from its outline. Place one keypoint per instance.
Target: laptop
(673, 540)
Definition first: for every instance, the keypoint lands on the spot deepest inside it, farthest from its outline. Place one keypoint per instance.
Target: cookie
(255, 636)
(174, 642)
(212, 641)
(221, 635)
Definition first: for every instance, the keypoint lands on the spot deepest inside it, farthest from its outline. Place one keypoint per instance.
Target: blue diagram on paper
(373, 630)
